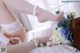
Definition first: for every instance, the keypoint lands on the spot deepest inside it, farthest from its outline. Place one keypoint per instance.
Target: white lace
(12, 27)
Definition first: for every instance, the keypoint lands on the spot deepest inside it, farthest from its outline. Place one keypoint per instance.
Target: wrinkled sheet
(55, 49)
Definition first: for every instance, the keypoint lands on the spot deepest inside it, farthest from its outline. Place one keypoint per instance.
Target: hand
(15, 40)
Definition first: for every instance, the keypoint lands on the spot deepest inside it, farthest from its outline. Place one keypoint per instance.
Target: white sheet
(55, 49)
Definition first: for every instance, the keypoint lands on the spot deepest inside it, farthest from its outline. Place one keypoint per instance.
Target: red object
(75, 29)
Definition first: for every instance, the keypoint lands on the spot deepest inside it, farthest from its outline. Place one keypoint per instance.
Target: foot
(60, 16)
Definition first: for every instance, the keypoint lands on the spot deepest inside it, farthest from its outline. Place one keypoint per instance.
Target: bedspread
(55, 49)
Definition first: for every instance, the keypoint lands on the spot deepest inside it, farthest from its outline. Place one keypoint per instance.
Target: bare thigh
(5, 15)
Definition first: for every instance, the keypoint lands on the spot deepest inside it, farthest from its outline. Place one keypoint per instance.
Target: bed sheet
(56, 49)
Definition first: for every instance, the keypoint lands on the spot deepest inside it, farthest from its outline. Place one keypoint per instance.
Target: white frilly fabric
(55, 49)
(3, 40)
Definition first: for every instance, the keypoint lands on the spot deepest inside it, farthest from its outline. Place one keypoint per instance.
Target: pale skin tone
(21, 6)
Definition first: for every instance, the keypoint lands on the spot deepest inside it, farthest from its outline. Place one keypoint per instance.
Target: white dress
(55, 49)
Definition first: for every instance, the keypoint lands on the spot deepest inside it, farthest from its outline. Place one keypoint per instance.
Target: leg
(44, 15)
(5, 15)
(6, 18)
(25, 7)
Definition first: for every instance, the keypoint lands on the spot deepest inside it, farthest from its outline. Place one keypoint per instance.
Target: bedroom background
(37, 29)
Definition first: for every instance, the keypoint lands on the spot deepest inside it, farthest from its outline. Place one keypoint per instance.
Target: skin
(24, 7)
(21, 6)
(9, 18)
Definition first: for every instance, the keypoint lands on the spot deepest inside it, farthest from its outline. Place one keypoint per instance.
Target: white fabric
(34, 10)
(3, 40)
(77, 8)
(55, 49)
(12, 27)
(40, 32)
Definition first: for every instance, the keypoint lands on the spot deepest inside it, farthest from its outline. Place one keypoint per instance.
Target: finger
(7, 35)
